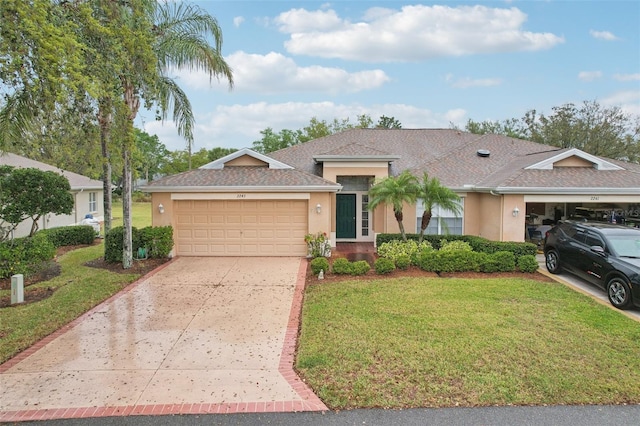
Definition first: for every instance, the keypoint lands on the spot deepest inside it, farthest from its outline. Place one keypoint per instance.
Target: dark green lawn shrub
(382, 265)
(157, 240)
(319, 264)
(527, 263)
(70, 235)
(360, 267)
(403, 261)
(450, 261)
(446, 245)
(25, 255)
(113, 243)
(342, 266)
(505, 260)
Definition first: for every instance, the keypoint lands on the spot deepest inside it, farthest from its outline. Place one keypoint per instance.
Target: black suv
(604, 254)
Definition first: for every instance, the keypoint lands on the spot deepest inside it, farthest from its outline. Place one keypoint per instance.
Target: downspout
(495, 194)
(75, 205)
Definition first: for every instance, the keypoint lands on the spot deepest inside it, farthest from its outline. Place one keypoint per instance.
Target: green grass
(435, 342)
(140, 214)
(77, 289)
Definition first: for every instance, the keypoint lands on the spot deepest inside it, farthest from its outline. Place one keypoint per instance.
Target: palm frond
(15, 118)
(172, 98)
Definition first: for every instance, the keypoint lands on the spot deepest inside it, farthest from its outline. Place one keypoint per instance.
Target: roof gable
(560, 160)
(252, 159)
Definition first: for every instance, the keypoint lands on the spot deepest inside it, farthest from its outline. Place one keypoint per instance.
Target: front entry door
(346, 216)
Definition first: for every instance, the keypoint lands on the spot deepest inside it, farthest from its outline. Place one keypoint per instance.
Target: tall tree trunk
(399, 217)
(127, 238)
(133, 104)
(104, 119)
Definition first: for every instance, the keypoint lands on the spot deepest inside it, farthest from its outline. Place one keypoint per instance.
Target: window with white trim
(442, 221)
(93, 205)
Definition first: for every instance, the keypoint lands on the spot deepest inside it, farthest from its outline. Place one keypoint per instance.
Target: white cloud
(413, 33)
(603, 35)
(467, 82)
(627, 77)
(237, 21)
(237, 126)
(628, 101)
(589, 75)
(276, 73)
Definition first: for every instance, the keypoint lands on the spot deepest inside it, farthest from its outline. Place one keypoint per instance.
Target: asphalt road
(555, 415)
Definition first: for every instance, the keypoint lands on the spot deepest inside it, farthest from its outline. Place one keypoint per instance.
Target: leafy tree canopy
(591, 127)
(30, 194)
(272, 141)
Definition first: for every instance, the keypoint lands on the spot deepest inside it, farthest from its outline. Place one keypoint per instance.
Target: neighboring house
(248, 204)
(87, 196)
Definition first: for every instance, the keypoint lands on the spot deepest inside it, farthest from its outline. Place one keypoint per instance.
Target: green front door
(345, 215)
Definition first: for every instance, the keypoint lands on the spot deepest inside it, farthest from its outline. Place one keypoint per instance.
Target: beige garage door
(241, 228)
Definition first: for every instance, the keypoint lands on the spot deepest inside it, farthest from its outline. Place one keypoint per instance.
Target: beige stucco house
(249, 204)
(87, 196)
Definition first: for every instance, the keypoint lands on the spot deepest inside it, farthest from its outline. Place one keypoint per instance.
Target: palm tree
(395, 191)
(180, 35)
(432, 193)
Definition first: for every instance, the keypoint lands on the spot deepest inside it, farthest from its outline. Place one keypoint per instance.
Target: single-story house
(248, 204)
(88, 196)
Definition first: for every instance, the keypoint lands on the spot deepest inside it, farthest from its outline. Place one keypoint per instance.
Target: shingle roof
(76, 181)
(241, 177)
(452, 156)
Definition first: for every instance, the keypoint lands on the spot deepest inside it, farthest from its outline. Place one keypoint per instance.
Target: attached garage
(240, 228)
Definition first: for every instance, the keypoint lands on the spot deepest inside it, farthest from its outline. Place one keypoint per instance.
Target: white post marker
(17, 289)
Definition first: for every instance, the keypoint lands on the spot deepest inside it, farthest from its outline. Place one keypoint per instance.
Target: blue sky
(428, 64)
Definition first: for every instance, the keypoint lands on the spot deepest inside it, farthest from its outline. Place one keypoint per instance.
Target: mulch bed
(53, 269)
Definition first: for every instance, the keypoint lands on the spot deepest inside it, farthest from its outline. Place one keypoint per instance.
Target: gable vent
(483, 153)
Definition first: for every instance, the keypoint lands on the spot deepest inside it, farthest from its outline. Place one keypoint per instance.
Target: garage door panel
(241, 228)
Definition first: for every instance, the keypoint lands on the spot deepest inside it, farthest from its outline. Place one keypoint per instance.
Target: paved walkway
(201, 335)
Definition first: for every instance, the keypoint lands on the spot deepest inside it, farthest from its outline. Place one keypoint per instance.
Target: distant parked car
(604, 254)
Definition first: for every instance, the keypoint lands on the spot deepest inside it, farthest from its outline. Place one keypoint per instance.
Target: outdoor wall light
(160, 208)
(516, 211)
(318, 208)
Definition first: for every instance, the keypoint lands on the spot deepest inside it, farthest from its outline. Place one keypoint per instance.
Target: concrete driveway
(201, 335)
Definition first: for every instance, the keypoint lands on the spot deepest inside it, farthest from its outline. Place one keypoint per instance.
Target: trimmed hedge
(451, 261)
(478, 244)
(528, 263)
(157, 240)
(25, 255)
(70, 235)
(342, 266)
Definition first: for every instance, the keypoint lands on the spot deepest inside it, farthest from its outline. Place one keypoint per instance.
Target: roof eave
(554, 191)
(226, 189)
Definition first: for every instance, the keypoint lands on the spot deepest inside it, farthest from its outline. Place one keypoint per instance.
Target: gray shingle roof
(451, 156)
(76, 181)
(241, 177)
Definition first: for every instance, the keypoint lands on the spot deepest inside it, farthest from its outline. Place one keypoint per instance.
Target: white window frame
(439, 213)
(93, 203)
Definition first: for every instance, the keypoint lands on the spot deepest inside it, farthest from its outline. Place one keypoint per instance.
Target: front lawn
(437, 342)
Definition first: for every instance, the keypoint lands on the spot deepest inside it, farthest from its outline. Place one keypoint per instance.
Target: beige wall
(161, 219)
(513, 227)
(574, 161)
(491, 216)
(321, 222)
(245, 160)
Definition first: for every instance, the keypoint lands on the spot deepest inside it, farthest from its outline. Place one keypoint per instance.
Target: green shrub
(403, 261)
(478, 244)
(505, 260)
(455, 246)
(383, 265)
(450, 261)
(25, 255)
(396, 248)
(157, 240)
(527, 263)
(342, 266)
(319, 264)
(360, 267)
(70, 235)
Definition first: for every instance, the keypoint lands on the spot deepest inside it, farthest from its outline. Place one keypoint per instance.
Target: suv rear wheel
(619, 293)
(552, 261)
